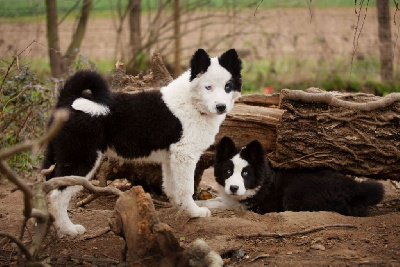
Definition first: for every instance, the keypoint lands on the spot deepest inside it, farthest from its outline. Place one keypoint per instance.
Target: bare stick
(57, 182)
(312, 230)
(19, 243)
(60, 116)
(330, 99)
(13, 177)
(87, 200)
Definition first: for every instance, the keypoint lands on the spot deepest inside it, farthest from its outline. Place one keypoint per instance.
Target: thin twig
(9, 68)
(19, 243)
(312, 230)
(15, 179)
(330, 99)
(87, 200)
(60, 116)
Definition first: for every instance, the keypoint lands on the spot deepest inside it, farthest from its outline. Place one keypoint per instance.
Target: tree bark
(352, 133)
(135, 36)
(79, 33)
(59, 64)
(52, 38)
(177, 38)
(385, 40)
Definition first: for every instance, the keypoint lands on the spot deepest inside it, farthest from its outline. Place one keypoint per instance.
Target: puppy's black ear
(253, 152)
(225, 149)
(230, 60)
(199, 63)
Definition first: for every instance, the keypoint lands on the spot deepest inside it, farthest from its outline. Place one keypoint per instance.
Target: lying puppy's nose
(221, 108)
(234, 188)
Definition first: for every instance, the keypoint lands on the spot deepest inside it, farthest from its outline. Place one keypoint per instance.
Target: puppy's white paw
(200, 212)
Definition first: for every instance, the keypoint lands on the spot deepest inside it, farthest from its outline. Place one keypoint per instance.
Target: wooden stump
(150, 242)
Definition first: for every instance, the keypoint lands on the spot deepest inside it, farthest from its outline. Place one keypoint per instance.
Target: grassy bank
(331, 74)
(23, 8)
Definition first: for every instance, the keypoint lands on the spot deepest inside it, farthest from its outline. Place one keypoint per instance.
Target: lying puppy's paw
(200, 212)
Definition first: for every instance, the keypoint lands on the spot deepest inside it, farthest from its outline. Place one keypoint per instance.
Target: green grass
(284, 72)
(326, 73)
(28, 8)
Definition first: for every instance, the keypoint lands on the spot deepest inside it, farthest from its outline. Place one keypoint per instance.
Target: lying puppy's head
(216, 82)
(240, 171)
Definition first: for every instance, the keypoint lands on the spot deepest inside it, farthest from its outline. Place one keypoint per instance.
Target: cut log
(353, 133)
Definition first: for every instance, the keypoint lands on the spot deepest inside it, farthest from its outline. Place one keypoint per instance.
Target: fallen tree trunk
(353, 133)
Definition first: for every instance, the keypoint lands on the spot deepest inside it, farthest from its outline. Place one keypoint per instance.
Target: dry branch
(312, 230)
(13, 177)
(57, 182)
(60, 116)
(332, 99)
(19, 243)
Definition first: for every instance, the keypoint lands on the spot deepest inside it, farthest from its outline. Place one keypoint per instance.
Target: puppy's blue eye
(208, 87)
(229, 172)
(228, 88)
(245, 173)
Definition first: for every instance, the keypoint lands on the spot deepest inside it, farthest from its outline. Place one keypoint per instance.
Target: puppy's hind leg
(59, 201)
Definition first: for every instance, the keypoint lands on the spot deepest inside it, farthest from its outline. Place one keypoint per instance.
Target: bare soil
(374, 242)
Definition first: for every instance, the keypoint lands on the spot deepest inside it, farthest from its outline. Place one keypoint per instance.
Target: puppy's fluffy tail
(366, 193)
(85, 80)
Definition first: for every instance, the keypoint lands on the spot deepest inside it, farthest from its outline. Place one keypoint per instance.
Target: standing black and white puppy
(248, 181)
(172, 126)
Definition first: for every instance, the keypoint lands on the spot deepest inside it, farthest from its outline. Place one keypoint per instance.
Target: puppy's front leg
(182, 169)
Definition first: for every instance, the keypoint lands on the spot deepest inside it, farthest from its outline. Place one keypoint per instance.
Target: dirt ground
(374, 241)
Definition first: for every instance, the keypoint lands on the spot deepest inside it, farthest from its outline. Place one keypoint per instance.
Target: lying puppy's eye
(228, 87)
(229, 172)
(208, 87)
(245, 173)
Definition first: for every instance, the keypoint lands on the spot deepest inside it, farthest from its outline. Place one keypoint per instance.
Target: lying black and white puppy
(249, 181)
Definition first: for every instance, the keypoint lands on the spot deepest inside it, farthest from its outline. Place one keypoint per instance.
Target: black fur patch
(137, 125)
(231, 62)
(141, 123)
(225, 150)
(298, 189)
(199, 63)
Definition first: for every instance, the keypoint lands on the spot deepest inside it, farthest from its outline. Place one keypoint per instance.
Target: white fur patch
(90, 107)
(236, 179)
(59, 201)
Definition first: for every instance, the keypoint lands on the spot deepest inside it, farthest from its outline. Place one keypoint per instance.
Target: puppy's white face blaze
(234, 185)
(213, 90)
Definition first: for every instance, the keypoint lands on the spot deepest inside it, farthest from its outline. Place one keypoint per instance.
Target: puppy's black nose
(221, 108)
(234, 188)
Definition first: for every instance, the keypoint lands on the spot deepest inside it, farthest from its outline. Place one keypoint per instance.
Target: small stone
(318, 247)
